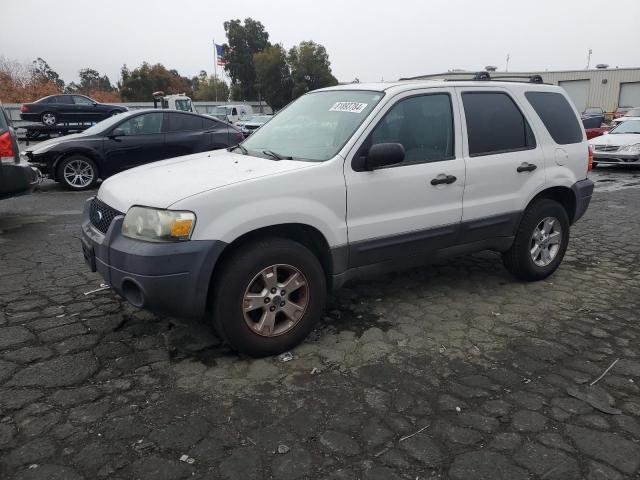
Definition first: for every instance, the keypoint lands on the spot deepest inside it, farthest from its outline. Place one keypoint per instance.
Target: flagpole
(215, 68)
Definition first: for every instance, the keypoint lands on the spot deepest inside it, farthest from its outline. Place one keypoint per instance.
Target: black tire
(594, 164)
(518, 259)
(77, 160)
(49, 118)
(237, 273)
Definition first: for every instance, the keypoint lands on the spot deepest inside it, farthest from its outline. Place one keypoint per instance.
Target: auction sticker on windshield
(353, 107)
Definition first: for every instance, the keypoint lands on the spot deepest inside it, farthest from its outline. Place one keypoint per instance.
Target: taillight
(7, 153)
(590, 164)
(24, 108)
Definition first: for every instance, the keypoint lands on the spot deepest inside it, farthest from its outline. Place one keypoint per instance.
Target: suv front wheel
(541, 241)
(268, 296)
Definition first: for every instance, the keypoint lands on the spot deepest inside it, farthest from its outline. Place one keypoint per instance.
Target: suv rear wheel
(541, 241)
(268, 296)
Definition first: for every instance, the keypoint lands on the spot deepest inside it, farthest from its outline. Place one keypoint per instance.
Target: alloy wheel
(78, 173)
(275, 300)
(546, 241)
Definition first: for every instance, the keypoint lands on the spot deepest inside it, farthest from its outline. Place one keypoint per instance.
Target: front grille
(101, 215)
(606, 148)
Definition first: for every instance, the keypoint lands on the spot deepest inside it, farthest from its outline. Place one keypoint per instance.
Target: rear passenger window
(495, 124)
(180, 122)
(557, 115)
(423, 125)
(211, 124)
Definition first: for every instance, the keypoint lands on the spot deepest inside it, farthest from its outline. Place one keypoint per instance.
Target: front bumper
(583, 191)
(615, 158)
(41, 162)
(167, 278)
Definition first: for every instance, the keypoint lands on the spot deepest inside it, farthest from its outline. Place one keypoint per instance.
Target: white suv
(346, 181)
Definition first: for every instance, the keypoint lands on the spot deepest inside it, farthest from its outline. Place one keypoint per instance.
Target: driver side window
(146, 124)
(422, 124)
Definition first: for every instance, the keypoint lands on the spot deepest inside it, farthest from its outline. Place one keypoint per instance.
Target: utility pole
(589, 58)
(507, 67)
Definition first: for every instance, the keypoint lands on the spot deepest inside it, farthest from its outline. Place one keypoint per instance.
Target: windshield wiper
(241, 147)
(276, 155)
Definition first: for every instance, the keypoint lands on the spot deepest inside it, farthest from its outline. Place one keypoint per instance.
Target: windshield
(183, 104)
(316, 126)
(630, 126)
(634, 112)
(104, 125)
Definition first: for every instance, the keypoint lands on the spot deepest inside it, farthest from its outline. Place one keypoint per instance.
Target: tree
(273, 78)
(95, 86)
(22, 83)
(310, 68)
(210, 88)
(243, 42)
(41, 71)
(138, 85)
(90, 81)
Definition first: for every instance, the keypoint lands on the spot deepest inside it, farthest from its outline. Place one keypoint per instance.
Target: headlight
(155, 225)
(635, 148)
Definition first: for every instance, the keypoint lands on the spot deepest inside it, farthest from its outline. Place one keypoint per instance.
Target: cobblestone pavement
(453, 371)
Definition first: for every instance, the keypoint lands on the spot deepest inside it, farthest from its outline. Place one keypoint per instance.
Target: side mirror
(117, 132)
(381, 155)
(95, 104)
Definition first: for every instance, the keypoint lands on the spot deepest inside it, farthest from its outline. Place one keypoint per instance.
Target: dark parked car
(68, 108)
(592, 117)
(127, 141)
(16, 178)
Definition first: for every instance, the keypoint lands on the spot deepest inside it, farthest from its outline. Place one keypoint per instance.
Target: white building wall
(604, 85)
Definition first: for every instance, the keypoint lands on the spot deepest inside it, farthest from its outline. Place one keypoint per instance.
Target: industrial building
(608, 88)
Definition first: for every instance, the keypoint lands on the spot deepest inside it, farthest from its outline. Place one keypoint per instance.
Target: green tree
(273, 78)
(90, 81)
(138, 85)
(244, 40)
(210, 88)
(42, 72)
(310, 68)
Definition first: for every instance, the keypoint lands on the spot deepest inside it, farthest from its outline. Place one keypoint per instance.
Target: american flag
(219, 55)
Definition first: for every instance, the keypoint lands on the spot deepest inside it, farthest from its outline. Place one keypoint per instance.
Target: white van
(233, 113)
(345, 182)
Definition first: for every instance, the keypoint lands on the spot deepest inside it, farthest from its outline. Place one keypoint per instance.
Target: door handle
(526, 167)
(442, 179)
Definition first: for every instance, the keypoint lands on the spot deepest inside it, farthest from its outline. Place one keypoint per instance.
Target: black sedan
(126, 141)
(68, 108)
(16, 177)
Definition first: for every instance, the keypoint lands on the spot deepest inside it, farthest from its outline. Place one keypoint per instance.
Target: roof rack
(484, 76)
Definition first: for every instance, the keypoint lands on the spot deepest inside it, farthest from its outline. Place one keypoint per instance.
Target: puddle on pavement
(19, 221)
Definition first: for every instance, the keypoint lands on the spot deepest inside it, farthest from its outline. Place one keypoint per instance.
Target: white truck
(345, 182)
(173, 102)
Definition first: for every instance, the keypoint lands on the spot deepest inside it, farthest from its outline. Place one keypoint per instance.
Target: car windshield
(630, 126)
(316, 126)
(634, 112)
(104, 125)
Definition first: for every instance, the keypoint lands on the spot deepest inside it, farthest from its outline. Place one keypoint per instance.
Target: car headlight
(635, 148)
(155, 225)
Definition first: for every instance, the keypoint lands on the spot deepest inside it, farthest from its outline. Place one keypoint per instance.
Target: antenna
(589, 58)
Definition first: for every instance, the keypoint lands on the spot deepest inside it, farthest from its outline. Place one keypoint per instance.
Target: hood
(618, 139)
(164, 183)
(53, 141)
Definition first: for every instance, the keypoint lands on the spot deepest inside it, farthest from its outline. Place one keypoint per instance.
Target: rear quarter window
(3, 121)
(557, 116)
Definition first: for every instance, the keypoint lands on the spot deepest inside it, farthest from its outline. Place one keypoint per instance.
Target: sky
(369, 40)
